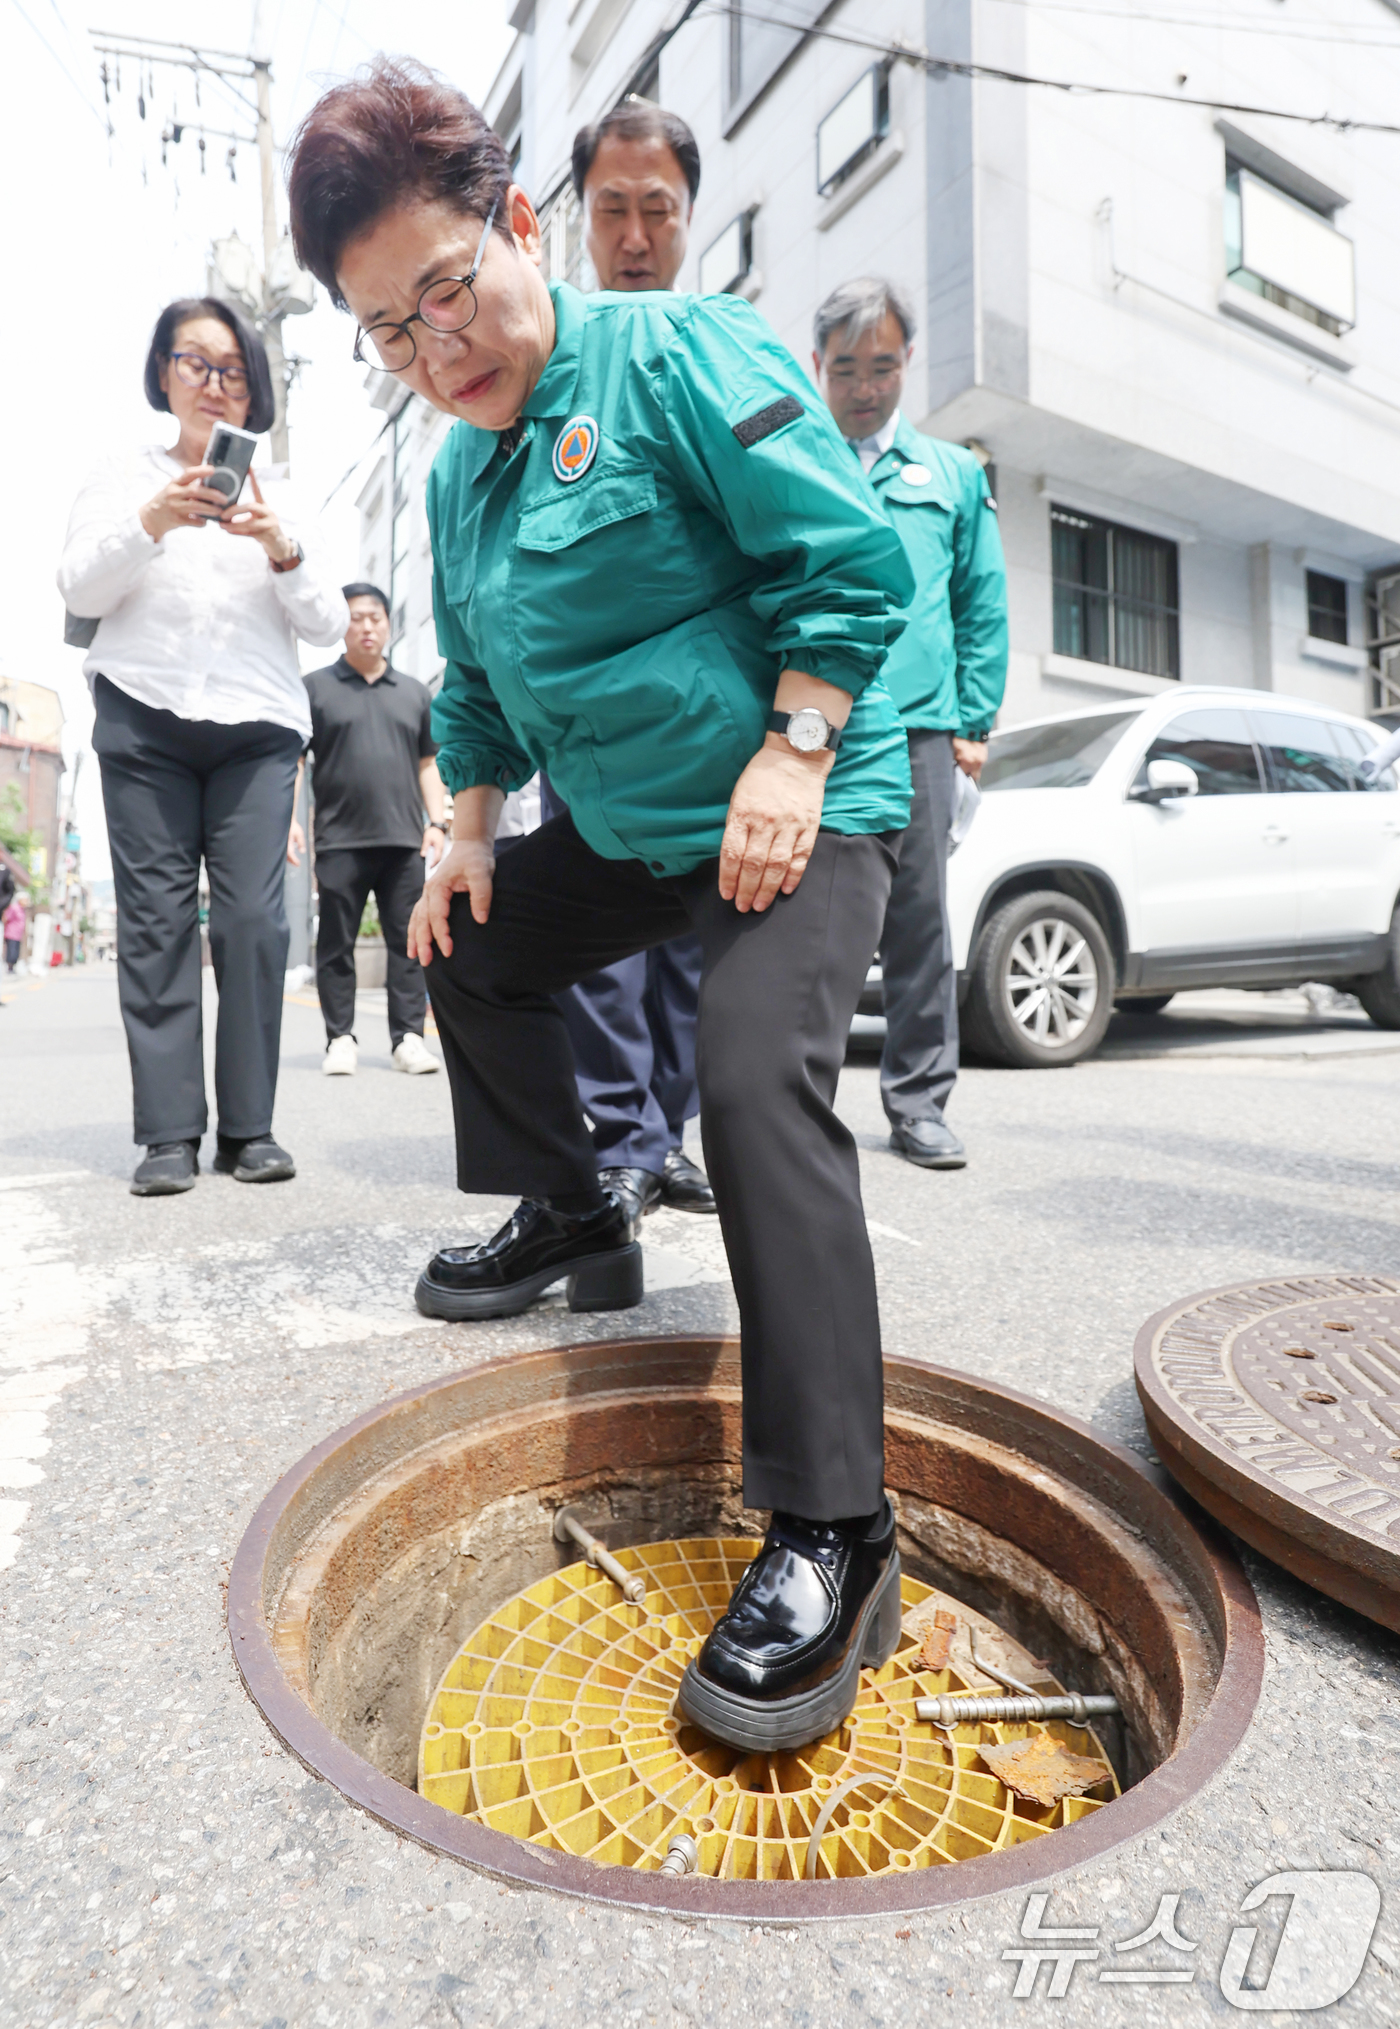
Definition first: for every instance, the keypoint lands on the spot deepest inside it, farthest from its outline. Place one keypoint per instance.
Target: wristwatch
(807, 730)
(433, 825)
(298, 556)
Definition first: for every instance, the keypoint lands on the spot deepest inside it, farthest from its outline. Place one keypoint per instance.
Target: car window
(1065, 754)
(1216, 743)
(1306, 755)
(1356, 744)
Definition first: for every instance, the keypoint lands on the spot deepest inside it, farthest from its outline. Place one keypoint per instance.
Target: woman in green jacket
(660, 576)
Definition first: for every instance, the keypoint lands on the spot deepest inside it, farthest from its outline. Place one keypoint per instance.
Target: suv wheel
(1042, 983)
(1379, 992)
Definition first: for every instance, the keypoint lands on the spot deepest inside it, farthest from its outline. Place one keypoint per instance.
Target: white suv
(1210, 838)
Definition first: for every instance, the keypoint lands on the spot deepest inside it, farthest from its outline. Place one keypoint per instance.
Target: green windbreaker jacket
(617, 599)
(947, 671)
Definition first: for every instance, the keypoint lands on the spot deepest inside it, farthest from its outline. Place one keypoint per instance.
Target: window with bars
(1327, 607)
(1115, 594)
(565, 257)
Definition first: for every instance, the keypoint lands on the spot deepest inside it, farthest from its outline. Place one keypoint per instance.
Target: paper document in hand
(967, 798)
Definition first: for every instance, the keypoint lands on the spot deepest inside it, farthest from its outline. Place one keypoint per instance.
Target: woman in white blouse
(201, 716)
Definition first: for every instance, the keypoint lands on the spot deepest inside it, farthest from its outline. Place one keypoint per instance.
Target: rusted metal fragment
(938, 1640)
(1042, 1769)
(1300, 1460)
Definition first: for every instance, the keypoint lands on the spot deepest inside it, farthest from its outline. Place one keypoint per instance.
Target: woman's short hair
(261, 406)
(637, 119)
(395, 132)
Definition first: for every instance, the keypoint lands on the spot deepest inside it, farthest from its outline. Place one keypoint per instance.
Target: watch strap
(299, 557)
(778, 723)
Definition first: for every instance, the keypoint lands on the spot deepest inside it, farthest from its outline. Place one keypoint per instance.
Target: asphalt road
(163, 1862)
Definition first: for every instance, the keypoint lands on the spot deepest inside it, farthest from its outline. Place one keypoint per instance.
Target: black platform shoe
(537, 1246)
(782, 1668)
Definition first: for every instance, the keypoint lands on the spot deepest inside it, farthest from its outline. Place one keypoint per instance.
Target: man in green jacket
(947, 673)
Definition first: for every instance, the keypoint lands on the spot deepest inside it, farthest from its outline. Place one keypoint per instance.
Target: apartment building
(32, 769)
(1170, 329)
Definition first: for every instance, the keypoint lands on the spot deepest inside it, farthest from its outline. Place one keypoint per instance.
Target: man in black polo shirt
(374, 777)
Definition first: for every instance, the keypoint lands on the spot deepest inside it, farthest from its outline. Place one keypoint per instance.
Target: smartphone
(230, 452)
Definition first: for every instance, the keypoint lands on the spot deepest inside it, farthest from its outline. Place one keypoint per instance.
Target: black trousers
(776, 998)
(178, 790)
(345, 876)
(632, 1026)
(919, 1066)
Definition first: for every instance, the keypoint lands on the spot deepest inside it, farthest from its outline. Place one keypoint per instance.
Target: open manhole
(389, 1581)
(556, 1722)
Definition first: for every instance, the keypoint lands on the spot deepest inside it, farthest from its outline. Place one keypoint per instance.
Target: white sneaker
(341, 1059)
(414, 1056)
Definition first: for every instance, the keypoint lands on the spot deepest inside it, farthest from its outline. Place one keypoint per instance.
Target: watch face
(807, 730)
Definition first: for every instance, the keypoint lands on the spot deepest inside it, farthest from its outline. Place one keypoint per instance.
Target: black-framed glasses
(196, 371)
(445, 306)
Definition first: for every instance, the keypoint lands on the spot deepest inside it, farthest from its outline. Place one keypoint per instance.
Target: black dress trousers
(777, 994)
(345, 876)
(919, 1067)
(632, 1026)
(177, 791)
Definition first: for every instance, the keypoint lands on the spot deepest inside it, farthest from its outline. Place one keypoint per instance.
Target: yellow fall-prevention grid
(556, 1722)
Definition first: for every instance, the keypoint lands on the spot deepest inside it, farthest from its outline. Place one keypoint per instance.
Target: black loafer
(537, 1246)
(637, 1191)
(259, 1161)
(166, 1167)
(931, 1144)
(782, 1667)
(684, 1185)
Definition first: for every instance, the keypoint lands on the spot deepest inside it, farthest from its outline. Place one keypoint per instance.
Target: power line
(941, 66)
(1280, 31)
(61, 64)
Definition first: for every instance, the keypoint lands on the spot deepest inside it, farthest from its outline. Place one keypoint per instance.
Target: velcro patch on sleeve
(753, 429)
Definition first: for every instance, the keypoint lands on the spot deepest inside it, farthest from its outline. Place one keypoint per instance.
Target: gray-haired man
(946, 672)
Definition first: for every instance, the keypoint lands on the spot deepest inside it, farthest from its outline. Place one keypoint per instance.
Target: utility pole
(280, 289)
(272, 327)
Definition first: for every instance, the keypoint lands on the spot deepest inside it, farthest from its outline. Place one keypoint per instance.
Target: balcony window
(728, 260)
(1281, 249)
(759, 45)
(1327, 607)
(1115, 594)
(854, 128)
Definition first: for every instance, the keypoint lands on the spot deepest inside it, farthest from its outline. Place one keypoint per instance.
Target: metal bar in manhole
(568, 1527)
(953, 1711)
(946, 1711)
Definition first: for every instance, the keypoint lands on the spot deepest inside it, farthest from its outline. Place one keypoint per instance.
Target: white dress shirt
(870, 450)
(199, 623)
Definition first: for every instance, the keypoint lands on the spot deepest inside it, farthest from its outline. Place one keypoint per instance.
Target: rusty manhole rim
(518, 1864)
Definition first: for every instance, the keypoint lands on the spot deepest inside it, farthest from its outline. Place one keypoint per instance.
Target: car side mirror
(1166, 780)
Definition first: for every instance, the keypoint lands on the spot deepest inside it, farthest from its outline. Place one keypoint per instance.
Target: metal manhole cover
(1277, 1406)
(555, 1723)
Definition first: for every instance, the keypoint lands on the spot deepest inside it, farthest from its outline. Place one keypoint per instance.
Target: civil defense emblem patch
(575, 448)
